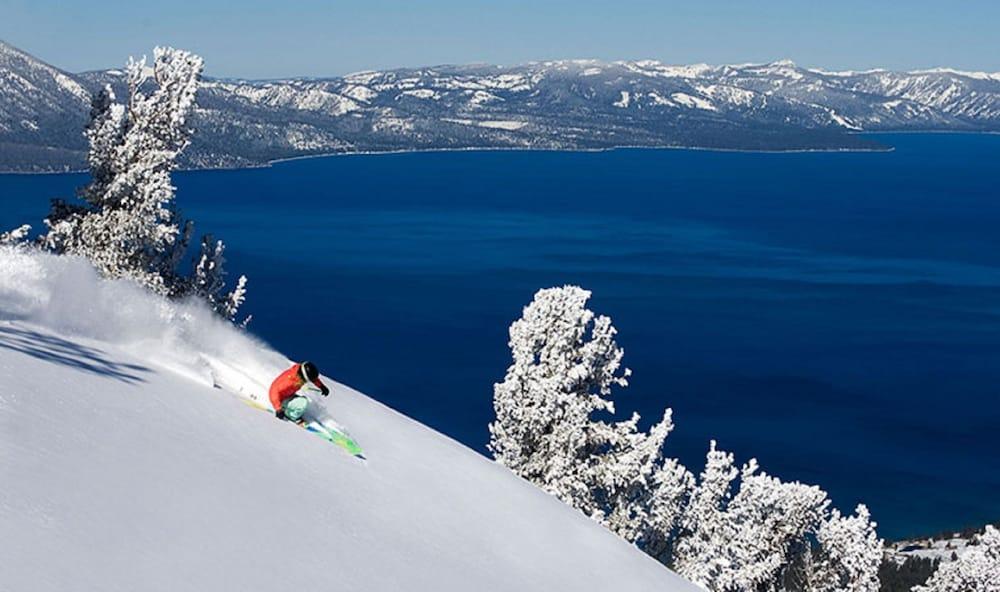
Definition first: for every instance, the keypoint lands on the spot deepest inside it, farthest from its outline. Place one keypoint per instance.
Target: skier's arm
(322, 387)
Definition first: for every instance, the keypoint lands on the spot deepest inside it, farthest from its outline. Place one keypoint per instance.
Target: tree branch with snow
(129, 225)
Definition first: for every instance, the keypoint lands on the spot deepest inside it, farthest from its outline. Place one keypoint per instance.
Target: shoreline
(569, 151)
(936, 132)
(270, 163)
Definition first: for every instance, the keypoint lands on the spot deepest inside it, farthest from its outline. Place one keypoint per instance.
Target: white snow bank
(119, 474)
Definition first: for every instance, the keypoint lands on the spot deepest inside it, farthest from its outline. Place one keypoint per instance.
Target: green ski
(329, 433)
(335, 436)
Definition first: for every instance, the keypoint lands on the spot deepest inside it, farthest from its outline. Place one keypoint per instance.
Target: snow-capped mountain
(42, 110)
(580, 104)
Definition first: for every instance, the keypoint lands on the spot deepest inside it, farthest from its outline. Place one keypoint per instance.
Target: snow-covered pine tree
(769, 520)
(105, 135)
(742, 535)
(975, 570)
(669, 492)
(847, 555)
(230, 305)
(565, 363)
(703, 528)
(730, 530)
(15, 236)
(559, 377)
(128, 225)
(208, 280)
(626, 479)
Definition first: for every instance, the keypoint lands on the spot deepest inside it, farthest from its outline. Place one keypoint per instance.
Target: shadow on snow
(67, 353)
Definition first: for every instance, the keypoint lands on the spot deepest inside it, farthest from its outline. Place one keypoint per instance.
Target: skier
(284, 398)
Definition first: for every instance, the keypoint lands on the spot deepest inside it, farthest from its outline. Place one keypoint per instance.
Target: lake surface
(836, 315)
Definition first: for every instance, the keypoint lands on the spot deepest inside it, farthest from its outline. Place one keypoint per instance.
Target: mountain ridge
(549, 105)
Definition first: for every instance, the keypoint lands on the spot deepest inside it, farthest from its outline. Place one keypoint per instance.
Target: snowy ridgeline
(568, 104)
(123, 469)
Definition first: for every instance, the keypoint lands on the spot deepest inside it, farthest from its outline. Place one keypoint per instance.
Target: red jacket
(287, 384)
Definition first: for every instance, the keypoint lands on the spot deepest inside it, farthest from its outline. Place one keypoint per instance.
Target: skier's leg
(295, 407)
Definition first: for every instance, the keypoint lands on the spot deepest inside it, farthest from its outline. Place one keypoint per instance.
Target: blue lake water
(836, 315)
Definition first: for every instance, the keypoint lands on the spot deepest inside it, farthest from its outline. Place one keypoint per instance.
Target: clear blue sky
(272, 38)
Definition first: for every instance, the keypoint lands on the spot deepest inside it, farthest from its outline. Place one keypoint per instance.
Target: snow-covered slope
(568, 104)
(122, 468)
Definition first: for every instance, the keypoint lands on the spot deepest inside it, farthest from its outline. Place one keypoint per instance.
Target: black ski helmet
(309, 371)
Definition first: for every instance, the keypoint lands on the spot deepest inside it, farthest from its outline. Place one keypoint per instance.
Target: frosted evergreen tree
(730, 530)
(742, 534)
(209, 275)
(128, 225)
(847, 556)
(565, 363)
(208, 281)
(768, 520)
(15, 236)
(975, 570)
(669, 492)
(627, 479)
(105, 135)
(697, 551)
(230, 305)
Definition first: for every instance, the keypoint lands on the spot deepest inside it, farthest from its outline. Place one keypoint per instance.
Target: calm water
(835, 315)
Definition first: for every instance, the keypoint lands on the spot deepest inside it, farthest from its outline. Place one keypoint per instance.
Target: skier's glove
(324, 390)
(280, 414)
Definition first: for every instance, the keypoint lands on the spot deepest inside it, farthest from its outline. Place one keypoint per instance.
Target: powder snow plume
(66, 295)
